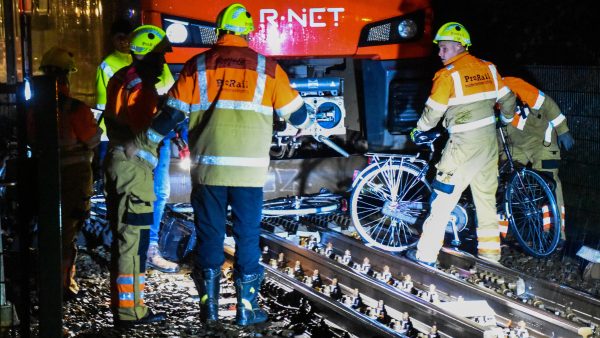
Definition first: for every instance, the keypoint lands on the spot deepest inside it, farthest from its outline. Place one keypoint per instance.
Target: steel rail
(540, 322)
(343, 316)
(582, 307)
(448, 324)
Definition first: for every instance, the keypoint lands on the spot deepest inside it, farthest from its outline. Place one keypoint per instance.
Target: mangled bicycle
(390, 202)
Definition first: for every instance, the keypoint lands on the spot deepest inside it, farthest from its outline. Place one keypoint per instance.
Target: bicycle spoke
(378, 227)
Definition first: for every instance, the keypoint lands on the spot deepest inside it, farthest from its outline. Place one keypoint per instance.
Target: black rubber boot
(248, 311)
(208, 285)
(150, 318)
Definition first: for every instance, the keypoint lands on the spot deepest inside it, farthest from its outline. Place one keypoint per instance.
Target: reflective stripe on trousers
(129, 198)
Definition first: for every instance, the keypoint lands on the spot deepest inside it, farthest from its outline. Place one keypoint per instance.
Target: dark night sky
(534, 32)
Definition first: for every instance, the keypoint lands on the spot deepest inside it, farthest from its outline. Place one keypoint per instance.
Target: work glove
(417, 136)
(182, 146)
(500, 122)
(566, 141)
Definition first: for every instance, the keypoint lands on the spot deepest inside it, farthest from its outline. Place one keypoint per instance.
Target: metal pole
(9, 24)
(49, 223)
(7, 311)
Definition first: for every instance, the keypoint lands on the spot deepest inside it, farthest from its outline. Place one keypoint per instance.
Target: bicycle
(320, 203)
(390, 202)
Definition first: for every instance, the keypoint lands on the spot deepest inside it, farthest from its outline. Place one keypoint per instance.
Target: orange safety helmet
(57, 58)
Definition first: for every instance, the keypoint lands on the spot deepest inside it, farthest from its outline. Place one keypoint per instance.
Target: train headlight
(407, 29)
(177, 32)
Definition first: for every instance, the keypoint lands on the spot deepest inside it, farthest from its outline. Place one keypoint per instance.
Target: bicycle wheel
(389, 204)
(532, 213)
(301, 205)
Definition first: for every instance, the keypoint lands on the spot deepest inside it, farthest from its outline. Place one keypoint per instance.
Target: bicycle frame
(379, 160)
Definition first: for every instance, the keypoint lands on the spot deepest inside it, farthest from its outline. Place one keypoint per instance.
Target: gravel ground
(558, 268)
(175, 294)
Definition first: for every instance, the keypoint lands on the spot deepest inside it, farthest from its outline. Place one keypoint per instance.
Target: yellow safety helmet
(236, 19)
(453, 31)
(58, 58)
(149, 38)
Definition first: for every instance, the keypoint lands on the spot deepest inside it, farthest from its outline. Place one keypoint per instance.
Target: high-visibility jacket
(229, 93)
(107, 68)
(130, 107)
(465, 92)
(78, 131)
(112, 64)
(536, 124)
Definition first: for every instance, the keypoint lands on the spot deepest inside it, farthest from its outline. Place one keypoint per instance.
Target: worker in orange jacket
(537, 133)
(131, 104)
(229, 93)
(78, 135)
(464, 92)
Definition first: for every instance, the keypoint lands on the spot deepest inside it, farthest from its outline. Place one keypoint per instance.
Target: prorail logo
(308, 17)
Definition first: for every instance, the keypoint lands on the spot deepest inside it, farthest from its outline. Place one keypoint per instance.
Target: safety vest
(78, 131)
(129, 109)
(538, 122)
(466, 80)
(110, 66)
(230, 93)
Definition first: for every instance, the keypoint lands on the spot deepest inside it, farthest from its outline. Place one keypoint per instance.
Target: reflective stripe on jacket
(230, 93)
(465, 92)
(539, 122)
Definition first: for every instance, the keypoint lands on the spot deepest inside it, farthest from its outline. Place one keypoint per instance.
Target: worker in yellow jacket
(229, 93)
(464, 93)
(537, 133)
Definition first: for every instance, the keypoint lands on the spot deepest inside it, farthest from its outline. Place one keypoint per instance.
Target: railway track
(423, 313)
(468, 291)
(580, 308)
(545, 309)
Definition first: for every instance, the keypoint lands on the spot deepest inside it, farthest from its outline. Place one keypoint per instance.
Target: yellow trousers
(466, 162)
(129, 200)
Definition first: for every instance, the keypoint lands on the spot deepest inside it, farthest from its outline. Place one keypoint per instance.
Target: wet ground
(176, 295)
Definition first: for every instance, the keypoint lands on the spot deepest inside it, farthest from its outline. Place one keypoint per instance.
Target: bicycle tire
(527, 198)
(391, 225)
(301, 205)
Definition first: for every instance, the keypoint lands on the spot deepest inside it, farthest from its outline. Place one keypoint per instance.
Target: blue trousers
(210, 213)
(102, 149)
(162, 187)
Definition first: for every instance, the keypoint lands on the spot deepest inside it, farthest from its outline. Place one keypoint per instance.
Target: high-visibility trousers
(129, 201)
(471, 163)
(75, 193)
